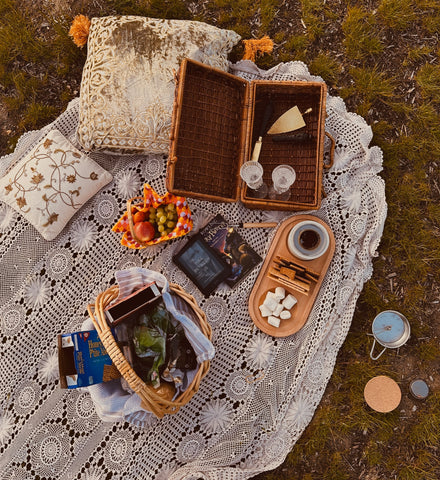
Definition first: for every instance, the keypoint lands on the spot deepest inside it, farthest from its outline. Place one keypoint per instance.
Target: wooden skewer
(295, 281)
(288, 284)
(260, 225)
(249, 225)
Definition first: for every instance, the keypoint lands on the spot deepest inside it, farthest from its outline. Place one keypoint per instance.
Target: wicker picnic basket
(151, 401)
(216, 122)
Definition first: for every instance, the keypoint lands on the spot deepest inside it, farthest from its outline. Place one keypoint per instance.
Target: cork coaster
(382, 394)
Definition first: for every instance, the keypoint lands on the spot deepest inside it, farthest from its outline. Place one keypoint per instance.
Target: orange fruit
(139, 217)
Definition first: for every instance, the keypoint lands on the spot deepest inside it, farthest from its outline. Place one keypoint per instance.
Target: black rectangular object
(203, 265)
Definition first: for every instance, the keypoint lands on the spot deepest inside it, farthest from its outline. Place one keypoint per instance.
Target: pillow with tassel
(127, 87)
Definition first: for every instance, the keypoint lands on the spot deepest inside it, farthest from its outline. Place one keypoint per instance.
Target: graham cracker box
(83, 360)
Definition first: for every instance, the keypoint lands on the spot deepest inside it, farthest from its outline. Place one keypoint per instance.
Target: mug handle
(372, 348)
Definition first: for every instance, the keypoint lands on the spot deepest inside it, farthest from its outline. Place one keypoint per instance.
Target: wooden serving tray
(263, 283)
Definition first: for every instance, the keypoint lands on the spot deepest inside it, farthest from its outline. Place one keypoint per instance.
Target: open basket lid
(208, 136)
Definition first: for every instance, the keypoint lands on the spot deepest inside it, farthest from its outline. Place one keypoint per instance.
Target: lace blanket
(260, 392)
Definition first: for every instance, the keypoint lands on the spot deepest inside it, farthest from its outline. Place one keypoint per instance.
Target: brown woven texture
(151, 401)
(216, 122)
(306, 157)
(211, 110)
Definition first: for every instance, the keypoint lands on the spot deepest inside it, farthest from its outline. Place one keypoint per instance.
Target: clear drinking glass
(283, 178)
(252, 173)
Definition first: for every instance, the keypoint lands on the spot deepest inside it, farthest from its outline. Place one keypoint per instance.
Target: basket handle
(332, 151)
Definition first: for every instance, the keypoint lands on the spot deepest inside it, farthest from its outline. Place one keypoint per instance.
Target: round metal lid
(388, 327)
(419, 389)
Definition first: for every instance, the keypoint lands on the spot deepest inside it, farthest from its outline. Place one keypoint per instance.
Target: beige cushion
(51, 182)
(127, 87)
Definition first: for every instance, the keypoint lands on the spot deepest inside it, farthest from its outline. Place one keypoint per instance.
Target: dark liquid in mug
(309, 239)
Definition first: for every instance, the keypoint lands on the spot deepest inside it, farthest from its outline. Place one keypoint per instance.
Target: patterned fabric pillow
(51, 182)
(127, 87)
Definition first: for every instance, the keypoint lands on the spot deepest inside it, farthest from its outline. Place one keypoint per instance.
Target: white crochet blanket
(260, 392)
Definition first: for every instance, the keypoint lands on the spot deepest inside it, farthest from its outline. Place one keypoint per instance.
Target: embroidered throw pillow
(127, 87)
(51, 183)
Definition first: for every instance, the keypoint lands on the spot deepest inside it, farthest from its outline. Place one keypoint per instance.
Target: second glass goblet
(283, 178)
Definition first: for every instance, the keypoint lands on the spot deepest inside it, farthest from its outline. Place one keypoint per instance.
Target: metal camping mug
(391, 330)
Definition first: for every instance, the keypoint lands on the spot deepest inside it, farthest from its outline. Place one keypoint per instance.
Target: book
(241, 257)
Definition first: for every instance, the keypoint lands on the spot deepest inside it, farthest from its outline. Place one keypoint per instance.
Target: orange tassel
(79, 30)
(254, 47)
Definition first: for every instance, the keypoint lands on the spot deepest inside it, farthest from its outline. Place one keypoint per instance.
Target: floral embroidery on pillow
(52, 182)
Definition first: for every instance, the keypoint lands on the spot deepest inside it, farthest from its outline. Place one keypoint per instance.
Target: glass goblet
(252, 173)
(283, 178)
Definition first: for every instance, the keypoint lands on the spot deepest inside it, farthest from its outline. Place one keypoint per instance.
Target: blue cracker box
(83, 360)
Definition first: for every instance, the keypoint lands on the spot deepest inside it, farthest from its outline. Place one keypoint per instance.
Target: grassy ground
(382, 57)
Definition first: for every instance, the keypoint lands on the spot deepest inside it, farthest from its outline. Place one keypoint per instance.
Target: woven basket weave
(151, 401)
(217, 119)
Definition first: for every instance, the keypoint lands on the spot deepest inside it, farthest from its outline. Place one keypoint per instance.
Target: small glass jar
(419, 389)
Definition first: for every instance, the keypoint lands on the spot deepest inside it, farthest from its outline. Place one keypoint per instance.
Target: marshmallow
(280, 293)
(278, 309)
(264, 310)
(274, 321)
(270, 302)
(270, 294)
(289, 302)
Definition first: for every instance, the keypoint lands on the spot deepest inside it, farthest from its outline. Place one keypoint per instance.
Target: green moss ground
(382, 57)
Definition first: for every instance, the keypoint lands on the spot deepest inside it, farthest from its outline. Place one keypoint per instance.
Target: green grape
(171, 207)
(164, 233)
(162, 219)
(161, 228)
(171, 224)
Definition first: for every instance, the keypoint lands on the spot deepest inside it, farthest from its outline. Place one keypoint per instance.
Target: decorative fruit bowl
(154, 220)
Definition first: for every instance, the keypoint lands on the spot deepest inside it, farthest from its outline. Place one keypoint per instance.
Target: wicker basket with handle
(217, 119)
(151, 401)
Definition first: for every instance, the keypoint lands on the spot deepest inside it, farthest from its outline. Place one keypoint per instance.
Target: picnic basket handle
(332, 151)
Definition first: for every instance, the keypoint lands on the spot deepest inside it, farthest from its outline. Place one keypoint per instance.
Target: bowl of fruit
(153, 219)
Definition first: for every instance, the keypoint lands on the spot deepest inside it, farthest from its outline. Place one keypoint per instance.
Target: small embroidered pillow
(51, 183)
(127, 86)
